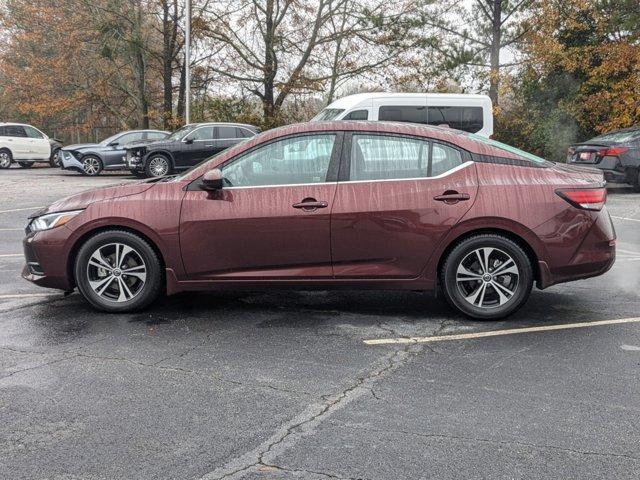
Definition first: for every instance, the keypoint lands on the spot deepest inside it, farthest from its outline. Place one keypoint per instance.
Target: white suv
(23, 144)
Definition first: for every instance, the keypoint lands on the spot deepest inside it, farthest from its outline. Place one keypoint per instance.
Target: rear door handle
(452, 197)
(310, 205)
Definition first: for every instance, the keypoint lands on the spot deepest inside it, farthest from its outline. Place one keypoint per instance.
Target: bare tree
(273, 48)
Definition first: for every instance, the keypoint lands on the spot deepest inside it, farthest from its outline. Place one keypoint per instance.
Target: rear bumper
(594, 256)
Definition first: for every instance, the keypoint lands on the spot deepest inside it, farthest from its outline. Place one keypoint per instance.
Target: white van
(471, 113)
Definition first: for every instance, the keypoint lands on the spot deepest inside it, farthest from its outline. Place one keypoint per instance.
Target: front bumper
(46, 259)
(69, 162)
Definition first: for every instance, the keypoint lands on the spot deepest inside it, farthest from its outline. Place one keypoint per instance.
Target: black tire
(25, 164)
(636, 184)
(6, 159)
(112, 298)
(460, 287)
(91, 165)
(54, 161)
(152, 169)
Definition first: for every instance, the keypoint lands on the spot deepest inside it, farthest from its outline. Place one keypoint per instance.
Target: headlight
(51, 220)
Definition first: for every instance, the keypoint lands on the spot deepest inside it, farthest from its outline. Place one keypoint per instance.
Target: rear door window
(389, 157)
(385, 157)
(226, 133)
(156, 135)
(444, 158)
(15, 131)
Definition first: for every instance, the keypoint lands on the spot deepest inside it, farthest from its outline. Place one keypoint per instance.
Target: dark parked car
(92, 158)
(334, 205)
(617, 154)
(185, 147)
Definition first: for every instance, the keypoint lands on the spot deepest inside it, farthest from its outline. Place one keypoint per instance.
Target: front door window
(291, 161)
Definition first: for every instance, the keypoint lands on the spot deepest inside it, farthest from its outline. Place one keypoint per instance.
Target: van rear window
(468, 119)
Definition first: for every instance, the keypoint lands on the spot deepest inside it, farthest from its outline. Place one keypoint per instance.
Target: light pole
(187, 63)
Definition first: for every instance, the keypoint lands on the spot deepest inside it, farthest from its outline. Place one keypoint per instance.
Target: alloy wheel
(91, 165)
(5, 160)
(487, 277)
(116, 272)
(158, 166)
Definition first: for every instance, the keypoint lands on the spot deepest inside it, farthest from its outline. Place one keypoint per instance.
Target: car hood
(84, 199)
(81, 146)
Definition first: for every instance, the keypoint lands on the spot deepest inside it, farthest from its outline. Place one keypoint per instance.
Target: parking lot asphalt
(281, 385)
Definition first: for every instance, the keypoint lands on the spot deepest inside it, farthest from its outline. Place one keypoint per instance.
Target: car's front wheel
(487, 276)
(118, 271)
(157, 166)
(91, 165)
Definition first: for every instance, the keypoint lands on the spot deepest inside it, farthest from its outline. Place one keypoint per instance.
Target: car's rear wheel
(118, 271)
(26, 164)
(91, 165)
(5, 158)
(157, 166)
(487, 276)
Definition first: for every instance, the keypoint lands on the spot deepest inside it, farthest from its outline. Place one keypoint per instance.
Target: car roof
(2, 124)
(229, 124)
(445, 134)
(352, 100)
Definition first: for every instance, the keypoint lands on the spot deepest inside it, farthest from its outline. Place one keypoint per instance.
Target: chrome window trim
(442, 175)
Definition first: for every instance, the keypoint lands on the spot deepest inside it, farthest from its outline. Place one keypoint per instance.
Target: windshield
(327, 114)
(181, 132)
(620, 136)
(507, 148)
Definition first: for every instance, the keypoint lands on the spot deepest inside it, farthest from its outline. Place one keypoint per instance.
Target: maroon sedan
(334, 205)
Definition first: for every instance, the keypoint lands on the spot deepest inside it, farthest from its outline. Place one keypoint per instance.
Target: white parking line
(12, 255)
(21, 209)
(11, 229)
(28, 295)
(497, 333)
(626, 218)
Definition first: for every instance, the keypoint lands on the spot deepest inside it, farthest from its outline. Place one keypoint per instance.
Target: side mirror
(188, 141)
(114, 144)
(212, 180)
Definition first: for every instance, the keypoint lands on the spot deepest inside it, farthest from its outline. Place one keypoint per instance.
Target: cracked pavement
(279, 385)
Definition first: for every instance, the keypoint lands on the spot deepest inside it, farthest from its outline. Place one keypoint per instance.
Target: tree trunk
(167, 66)
(181, 93)
(268, 99)
(496, 39)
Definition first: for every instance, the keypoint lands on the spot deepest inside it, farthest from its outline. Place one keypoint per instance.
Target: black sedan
(93, 158)
(185, 147)
(617, 154)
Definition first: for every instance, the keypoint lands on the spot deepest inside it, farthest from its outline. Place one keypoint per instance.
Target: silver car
(93, 158)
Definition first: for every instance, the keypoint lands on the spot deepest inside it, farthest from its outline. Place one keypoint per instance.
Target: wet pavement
(280, 385)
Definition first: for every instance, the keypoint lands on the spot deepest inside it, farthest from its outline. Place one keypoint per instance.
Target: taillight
(612, 152)
(585, 198)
